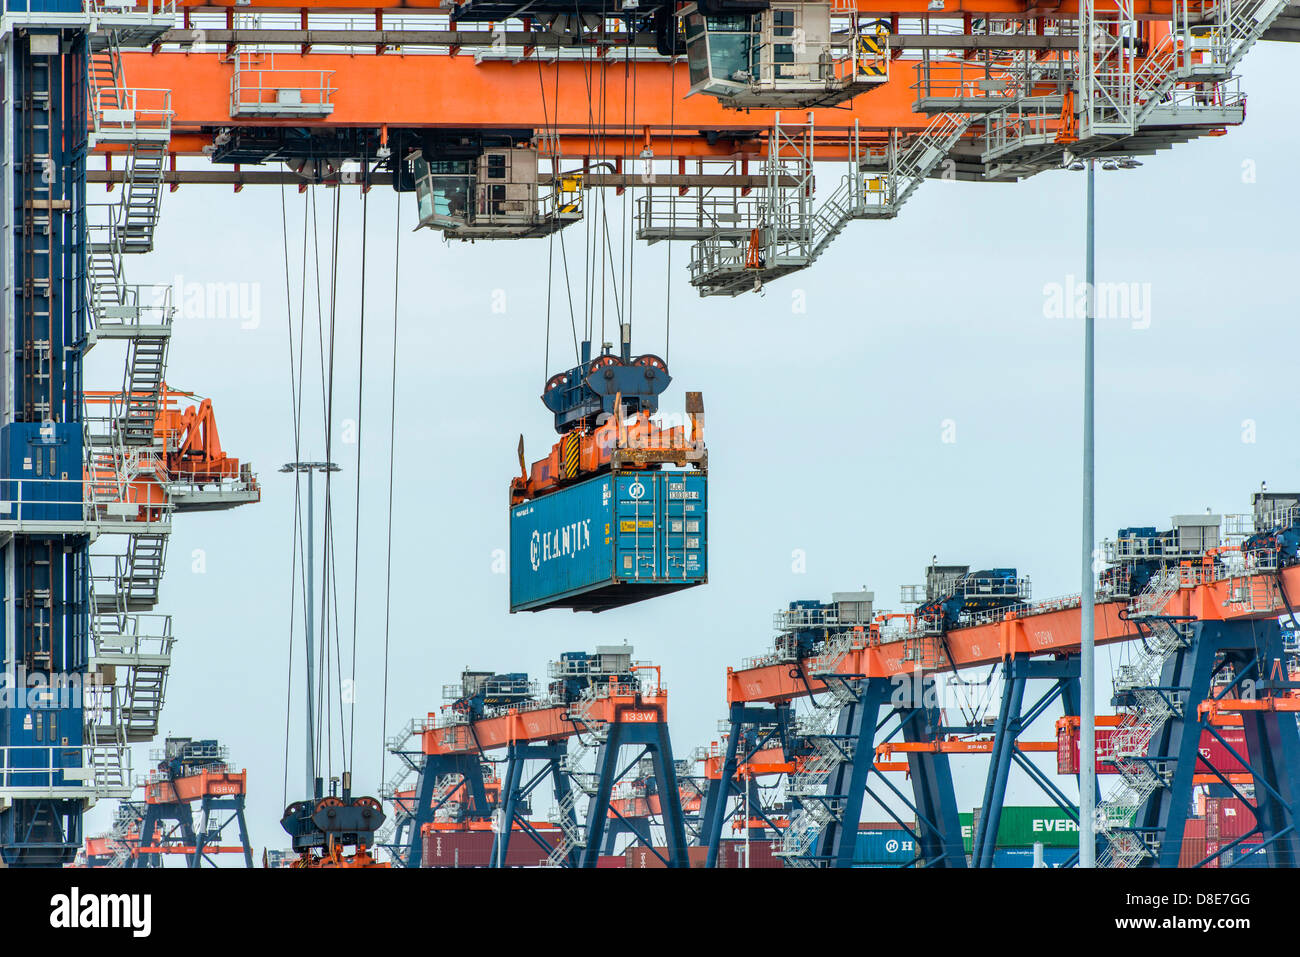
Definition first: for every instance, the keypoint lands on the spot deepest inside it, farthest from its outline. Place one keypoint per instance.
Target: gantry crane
(1202, 613)
(75, 480)
(898, 90)
(1016, 90)
(193, 775)
(117, 846)
(604, 702)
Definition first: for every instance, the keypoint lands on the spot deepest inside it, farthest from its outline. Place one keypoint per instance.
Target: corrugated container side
(1210, 748)
(474, 849)
(610, 541)
(884, 846)
(1234, 818)
(1193, 851)
(561, 543)
(640, 856)
(1246, 854)
(1024, 826)
(731, 854)
(1024, 856)
(1213, 751)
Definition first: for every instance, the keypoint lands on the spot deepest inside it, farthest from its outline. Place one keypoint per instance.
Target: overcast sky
(826, 428)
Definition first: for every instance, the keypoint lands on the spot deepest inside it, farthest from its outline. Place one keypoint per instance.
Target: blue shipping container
(609, 541)
(884, 846)
(1024, 856)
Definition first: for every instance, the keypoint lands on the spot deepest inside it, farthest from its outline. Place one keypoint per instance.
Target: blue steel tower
(54, 762)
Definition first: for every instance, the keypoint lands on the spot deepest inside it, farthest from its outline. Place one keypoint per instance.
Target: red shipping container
(1213, 751)
(1212, 847)
(640, 856)
(611, 860)
(1067, 753)
(1210, 748)
(1235, 819)
(474, 849)
(1193, 852)
(762, 854)
(1212, 818)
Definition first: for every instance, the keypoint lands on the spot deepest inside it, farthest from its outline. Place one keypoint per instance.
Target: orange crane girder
(455, 92)
(1053, 632)
(952, 9)
(541, 724)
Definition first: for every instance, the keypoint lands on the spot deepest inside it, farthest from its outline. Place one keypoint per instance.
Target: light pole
(310, 468)
(1087, 600)
(1087, 638)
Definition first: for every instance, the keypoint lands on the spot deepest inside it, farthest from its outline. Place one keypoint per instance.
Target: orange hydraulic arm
(198, 455)
(191, 449)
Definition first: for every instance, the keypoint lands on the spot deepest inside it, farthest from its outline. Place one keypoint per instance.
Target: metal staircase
(911, 167)
(140, 647)
(137, 574)
(573, 835)
(807, 785)
(1121, 94)
(782, 232)
(143, 388)
(1140, 775)
(573, 832)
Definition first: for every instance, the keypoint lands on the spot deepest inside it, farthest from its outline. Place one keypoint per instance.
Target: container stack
(1020, 828)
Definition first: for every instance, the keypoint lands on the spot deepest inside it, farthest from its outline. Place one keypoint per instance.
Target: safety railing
(276, 92)
(122, 635)
(52, 502)
(54, 770)
(996, 82)
(1285, 517)
(244, 485)
(678, 217)
(124, 115)
(1135, 548)
(1031, 121)
(135, 309)
(845, 59)
(148, 7)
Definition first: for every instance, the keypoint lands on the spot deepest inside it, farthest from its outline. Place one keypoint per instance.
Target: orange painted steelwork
(196, 786)
(498, 95)
(191, 448)
(623, 703)
(1053, 632)
(952, 9)
(596, 451)
(956, 746)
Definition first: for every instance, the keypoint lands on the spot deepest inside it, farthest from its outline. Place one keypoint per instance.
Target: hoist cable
(297, 432)
(356, 528)
(392, 449)
(672, 145)
(331, 583)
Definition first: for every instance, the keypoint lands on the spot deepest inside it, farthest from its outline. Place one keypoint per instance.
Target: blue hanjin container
(1024, 856)
(609, 541)
(884, 846)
